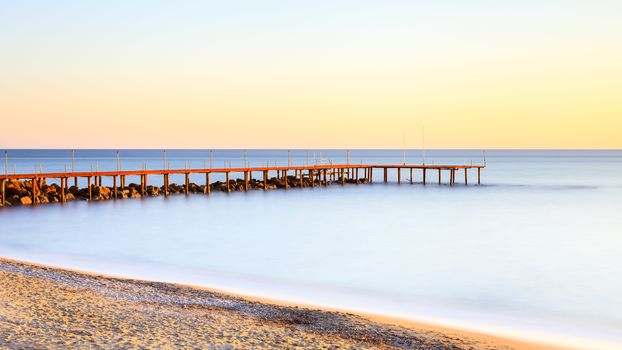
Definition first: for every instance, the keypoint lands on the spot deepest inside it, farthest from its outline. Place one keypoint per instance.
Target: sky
(311, 74)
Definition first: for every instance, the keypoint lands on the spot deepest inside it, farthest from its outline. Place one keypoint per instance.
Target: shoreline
(387, 330)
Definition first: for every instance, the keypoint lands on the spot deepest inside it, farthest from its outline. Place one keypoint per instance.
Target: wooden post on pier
(479, 177)
(207, 183)
(114, 186)
(142, 185)
(311, 178)
(146, 183)
(424, 171)
(63, 184)
(246, 181)
(325, 182)
(451, 176)
(33, 187)
(385, 175)
(122, 181)
(3, 189)
(466, 177)
(88, 183)
(265, 180)
(75, 181)
(100, 181)
(356, 174)
(165, 185)
(399, 176)
(228, 183)
(411, 175)
(342, 176)
(286, 179)
(187, 183)
(371, 175)
(439, 176)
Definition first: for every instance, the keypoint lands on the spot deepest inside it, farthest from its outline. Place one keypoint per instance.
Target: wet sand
(45, 307)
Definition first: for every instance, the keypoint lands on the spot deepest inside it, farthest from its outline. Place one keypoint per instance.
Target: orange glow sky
(284, 74)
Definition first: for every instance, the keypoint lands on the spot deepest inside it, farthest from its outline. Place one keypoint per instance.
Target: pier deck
(315, 174)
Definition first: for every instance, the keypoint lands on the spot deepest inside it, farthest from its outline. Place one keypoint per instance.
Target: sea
(533, 252)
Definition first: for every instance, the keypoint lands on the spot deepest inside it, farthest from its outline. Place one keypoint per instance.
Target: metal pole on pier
(423, 143)
(6, 162)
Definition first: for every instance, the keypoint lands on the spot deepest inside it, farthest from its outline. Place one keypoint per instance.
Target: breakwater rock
(22, 192)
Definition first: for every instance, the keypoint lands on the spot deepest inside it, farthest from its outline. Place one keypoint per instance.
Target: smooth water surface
(536, 251)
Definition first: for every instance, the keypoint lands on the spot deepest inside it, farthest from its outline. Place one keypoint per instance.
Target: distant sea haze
(533, 252)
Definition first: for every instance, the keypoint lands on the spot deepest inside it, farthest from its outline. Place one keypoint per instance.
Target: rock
(152, 191)
(14, 200)
(25, 201)
(54, 188)
(12, 190)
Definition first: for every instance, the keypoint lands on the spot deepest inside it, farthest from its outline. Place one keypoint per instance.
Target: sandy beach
(45, 307)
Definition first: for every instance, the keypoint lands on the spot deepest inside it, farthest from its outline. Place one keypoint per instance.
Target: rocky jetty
(18, 192)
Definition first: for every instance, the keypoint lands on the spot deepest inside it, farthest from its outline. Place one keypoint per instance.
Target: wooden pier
(320, 175)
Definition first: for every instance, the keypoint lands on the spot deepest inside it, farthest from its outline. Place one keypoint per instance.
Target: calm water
(534, 252)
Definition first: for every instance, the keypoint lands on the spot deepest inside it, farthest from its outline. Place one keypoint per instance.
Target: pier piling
(34, 191)
(63, 185)
(207, 183)
(187, 183)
